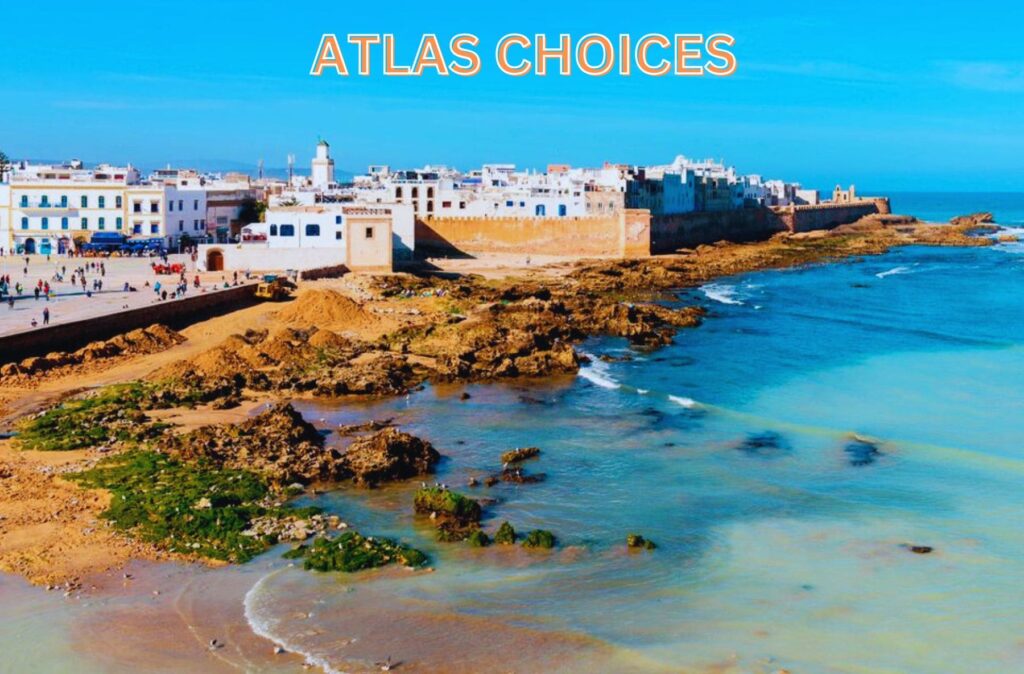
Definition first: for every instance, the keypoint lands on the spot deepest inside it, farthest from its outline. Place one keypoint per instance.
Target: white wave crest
(597, 373)
(254, 602)
(688, 403)
(721, 292)
(894, 271)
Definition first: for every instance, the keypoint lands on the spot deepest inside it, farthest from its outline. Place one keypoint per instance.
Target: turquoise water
(1008, 207)
(781, 538)
(742, 451)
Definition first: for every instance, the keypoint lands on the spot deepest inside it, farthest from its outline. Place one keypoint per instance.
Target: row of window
(181, 205)
(137, 228)
(62, 202)
(289, 230)
(44, 223)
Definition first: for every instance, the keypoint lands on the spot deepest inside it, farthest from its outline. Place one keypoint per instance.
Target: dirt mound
(325, 307)
(139, 342)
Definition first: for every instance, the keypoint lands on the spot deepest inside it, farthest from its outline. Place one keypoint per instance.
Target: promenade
(70, 303)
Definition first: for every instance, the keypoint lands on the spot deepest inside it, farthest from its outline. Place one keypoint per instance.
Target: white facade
(324, 226)
(5, 214)
(49, 206)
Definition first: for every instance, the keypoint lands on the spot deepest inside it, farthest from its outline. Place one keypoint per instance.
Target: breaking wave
(721, 292)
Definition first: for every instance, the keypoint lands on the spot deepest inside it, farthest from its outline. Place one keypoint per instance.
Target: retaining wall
(175, 314)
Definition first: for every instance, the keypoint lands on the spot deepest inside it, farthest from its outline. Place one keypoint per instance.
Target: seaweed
(352, 552)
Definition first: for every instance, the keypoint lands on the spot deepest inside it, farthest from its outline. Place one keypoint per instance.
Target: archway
(214, 260)
(30, 246)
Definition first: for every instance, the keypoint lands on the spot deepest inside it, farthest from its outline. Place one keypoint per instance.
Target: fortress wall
(613, 235)
(688, 230)
(829, 216)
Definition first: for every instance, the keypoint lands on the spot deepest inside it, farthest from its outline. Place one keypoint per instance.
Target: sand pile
(143, 341)
(327, 308)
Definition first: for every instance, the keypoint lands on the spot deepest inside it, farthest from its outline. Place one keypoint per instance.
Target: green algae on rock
(352, 552)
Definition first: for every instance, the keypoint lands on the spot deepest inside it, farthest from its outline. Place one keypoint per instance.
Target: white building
(51, 207)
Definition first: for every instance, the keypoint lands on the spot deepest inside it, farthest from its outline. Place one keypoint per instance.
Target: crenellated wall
(830, 215)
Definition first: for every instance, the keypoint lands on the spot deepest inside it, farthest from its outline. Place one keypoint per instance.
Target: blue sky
(889, 95)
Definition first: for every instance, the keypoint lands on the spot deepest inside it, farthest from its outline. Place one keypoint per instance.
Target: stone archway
(214, 260)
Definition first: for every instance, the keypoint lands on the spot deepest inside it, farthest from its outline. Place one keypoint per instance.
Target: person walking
(46, 315)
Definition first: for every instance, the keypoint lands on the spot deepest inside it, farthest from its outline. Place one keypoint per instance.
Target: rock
(454, 516)
(505, 535)
(768, 443)
(972, 219)
(520, 454)
(516, 475)
(278, 444)
(465, 396)
(638, 542)
(861, 451)
(919, 549)
(539, 538)
(389, 455)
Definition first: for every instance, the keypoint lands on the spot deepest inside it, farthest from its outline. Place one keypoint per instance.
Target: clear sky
(889, 95)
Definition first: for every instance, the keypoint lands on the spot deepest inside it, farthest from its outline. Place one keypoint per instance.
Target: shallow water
(781, 536)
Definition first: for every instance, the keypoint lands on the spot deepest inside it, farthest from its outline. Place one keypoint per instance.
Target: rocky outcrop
(278, 444)
(389, 455)
(972, 219)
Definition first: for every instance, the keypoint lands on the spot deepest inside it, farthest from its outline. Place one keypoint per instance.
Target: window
(398, 193)
(337, 236)
(195, 205)
(446, 204)
(273, 230)
(369, 232)
(415, 192)
(103, 223)
(154, 207)
(24, 201)
(119, 223)
(430, 192)
(44, 200)
(181, 205)
(46, 223)
(102, 201)
(287, 230)
(117, 202)
(63, 223)
(170, 206)
(181, 225)
(337, 219)
(509, 204)
(85, 201)
(312, 230)
(24, 223)
(137, 228)
(63, 201)
(462, 205)
(136, 206)
(539, 210)
(562, 210)
(85, 223)
(154, 228)
(522, 204)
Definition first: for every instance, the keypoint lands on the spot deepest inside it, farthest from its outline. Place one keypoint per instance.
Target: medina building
(369, 237)
(50, 209)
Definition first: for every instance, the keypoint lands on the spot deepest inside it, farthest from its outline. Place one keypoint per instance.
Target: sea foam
(255, 601)
(721, 292)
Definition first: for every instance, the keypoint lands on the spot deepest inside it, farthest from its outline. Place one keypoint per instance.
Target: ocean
(785, 457)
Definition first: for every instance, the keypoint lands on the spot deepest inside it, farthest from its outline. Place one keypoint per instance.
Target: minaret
(323, 166)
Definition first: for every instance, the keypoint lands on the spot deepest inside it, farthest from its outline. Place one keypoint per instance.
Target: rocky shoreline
(325, 344)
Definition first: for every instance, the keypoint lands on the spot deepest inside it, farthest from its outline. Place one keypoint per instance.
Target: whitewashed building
(50, 207)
